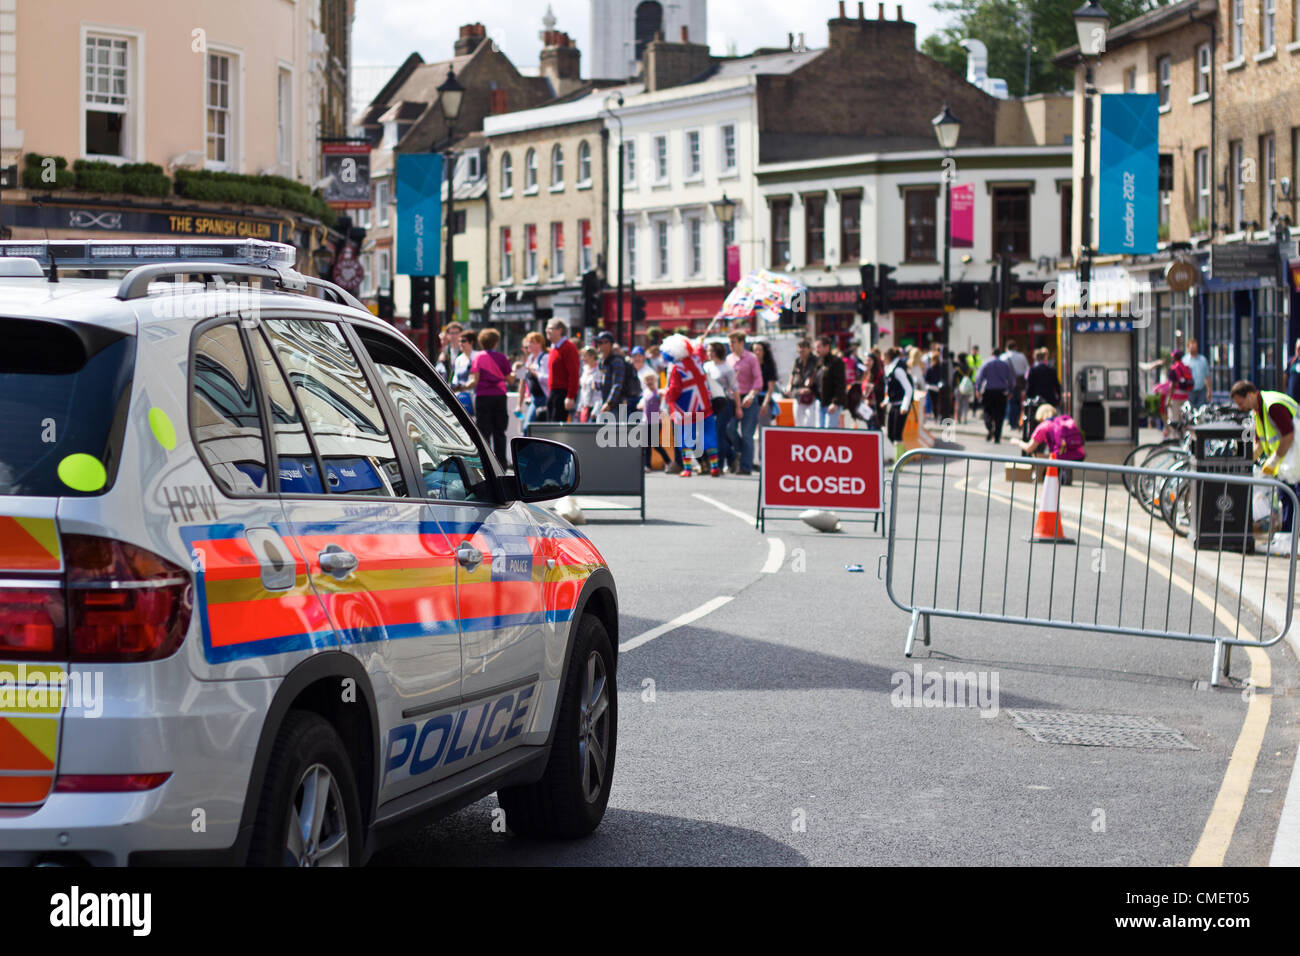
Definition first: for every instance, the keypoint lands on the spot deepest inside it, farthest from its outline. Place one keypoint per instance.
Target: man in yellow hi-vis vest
(1276, 417)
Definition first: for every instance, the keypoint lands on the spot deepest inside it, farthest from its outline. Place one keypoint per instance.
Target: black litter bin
(1221, 518)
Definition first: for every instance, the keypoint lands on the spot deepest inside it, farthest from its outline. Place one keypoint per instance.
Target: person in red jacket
(564, 371)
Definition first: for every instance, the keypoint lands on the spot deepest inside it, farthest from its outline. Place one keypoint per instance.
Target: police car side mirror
(544, 469)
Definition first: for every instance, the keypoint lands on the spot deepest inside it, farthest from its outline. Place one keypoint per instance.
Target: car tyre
(570, 798)
(309, 813)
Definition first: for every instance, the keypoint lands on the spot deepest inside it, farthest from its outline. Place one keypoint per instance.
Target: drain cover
(1098, 730)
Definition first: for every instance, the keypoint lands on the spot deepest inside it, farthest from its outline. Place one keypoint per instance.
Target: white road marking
(708, 607)
(775, 556)
(748, 519)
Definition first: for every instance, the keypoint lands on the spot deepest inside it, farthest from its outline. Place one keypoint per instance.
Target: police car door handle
(469, 556)
(334, 560)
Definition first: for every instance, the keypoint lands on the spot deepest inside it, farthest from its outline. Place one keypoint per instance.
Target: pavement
(764, 716)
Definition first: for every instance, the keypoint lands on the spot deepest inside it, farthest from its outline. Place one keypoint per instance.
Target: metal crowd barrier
(1157, 584)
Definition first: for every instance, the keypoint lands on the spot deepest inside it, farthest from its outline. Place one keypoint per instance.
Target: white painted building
(806, 214)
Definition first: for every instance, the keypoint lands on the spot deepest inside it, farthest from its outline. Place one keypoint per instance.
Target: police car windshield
(63, 397)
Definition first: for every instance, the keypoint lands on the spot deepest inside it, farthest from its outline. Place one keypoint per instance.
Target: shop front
(674, 310)
(831, 311)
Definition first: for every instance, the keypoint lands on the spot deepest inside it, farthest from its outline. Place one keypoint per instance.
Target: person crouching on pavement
(1275, 414)
(1057, 435)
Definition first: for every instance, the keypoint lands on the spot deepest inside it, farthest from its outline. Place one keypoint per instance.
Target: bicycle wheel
(1136, 459)
(1169, 490)
(1182, 510)
(1151, 487)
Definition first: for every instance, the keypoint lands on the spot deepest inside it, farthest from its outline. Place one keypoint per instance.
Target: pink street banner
(733, 265)
(963, 216)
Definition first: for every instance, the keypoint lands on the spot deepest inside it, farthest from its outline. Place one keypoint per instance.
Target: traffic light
(1006, 278)
(591, 305)
(638, 310)
(384, 303)
(885, 287)
(867, 294)
(421, 292)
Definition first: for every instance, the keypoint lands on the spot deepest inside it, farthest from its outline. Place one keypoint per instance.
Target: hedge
(35, 177)
(136, 179)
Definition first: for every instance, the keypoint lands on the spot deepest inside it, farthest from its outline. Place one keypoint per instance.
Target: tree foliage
(1008, 27)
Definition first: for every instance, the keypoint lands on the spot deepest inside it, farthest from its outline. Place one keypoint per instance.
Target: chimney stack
(560, 62)
(880, 15)
(841, 9)
(900, 13)
(471, 35)
(862, 10)
(672, 64)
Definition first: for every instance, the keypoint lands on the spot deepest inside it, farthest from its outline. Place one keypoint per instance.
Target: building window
(473, 164)
(1202, 223)
(629, 163)
(1238, 29)
(662, 262)
(458, 220)
(1268, 25)
(1011, 221)
(693, 166)
(507, 256)
(284, 119)
(1203, 68)
(108, 100)
(530, 171)
(694, 246)
(661, 159)
(1268, 181)
(584, 240)
(918, 224)
(1237, 185)
(530, 253)
(584, 163)
(381, 201)
(850, 228)
(728, 151)
(1067, 221)
(814, 209)
(220, 111)
(384, 275)
(780, 233)
(557, 167)
(1131, 80)
(507, 175)
(1162, 75)
(557, 251)
(629, 249)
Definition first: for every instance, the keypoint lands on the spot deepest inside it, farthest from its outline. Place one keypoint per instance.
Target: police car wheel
(569, 801)
(309, 814)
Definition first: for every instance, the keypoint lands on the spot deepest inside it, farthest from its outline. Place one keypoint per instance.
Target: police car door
(500, 561)
(385, 572)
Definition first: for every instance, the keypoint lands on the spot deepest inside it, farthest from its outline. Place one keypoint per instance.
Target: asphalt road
(767, 731)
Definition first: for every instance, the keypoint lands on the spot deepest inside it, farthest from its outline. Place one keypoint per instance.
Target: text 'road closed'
(835, 469)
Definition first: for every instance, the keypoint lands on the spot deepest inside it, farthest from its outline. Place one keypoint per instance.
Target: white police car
(265, 595)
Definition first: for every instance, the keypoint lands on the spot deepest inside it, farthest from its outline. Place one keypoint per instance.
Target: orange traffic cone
(916, 435)
(1048, 528)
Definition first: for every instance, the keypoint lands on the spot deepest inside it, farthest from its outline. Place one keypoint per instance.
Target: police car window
(298, 472)
(450, 461)
(341, 411)
(224, 413)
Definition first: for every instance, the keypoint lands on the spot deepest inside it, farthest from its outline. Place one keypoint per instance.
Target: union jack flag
(688, 389)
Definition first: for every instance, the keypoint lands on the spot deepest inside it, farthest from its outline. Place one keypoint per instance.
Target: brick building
(1228, 78)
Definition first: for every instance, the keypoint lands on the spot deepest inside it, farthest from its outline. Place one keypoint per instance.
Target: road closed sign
(833, 468)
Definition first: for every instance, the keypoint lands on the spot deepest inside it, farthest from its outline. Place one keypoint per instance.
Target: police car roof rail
(135, 284)
(106, 254)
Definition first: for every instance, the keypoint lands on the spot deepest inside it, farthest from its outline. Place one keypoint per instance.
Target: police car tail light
(124, 603)
(109, 782)
(31, 622)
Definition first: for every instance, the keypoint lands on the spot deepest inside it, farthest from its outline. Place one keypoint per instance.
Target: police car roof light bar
(111, 254)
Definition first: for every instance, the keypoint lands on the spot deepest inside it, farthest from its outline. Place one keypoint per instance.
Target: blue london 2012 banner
(1129, 169)
(419, 214)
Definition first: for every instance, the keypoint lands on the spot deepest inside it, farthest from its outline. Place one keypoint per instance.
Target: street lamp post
(451, 92)
(725, 210)
(946, 128)
(618, 100)
(1090, 22)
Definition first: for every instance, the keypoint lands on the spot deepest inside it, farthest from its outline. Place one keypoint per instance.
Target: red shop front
(670, 310)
